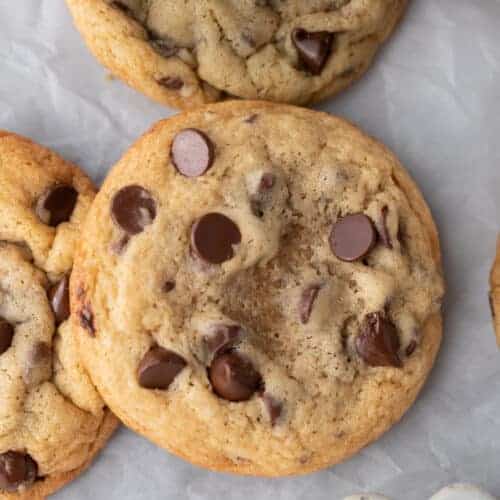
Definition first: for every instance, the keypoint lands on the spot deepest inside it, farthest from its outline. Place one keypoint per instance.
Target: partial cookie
(462, 492)
(259, 288)
(185, 54)
(52, 421)
(495, 292)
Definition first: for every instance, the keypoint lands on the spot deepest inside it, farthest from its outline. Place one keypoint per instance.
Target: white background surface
(433, 97)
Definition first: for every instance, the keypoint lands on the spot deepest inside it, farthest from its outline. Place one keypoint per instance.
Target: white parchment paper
(433, 97)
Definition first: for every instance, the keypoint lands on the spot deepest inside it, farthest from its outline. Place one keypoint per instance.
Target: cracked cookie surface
(52, 421)
(263, 284)
(188, 53)
(495, 292)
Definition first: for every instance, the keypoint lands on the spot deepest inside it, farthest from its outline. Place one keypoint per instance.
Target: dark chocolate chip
(385, 237)
(56, 205)
(192, 152)
(378, 343)
(352, 237)
(306, 303)
(168, 286)
(411, 348)
(233, 377)
(213, 237)
(6, 335)
(171, 82)
(165, 48)
(273, 407)
(16, 470)
(313, 48)
(59, 300)
(87, 319)
(223, 337)
(133, 209)
(158, 368)
(38, 367)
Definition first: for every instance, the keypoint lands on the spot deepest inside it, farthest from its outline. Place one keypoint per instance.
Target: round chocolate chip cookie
(495, 292)
(52, 421)
(258, 288)
(185, 54)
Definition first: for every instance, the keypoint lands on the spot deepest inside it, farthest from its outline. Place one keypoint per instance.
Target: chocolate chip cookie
(258, 288)
(185, 54)
(495, 292)
(52, 421)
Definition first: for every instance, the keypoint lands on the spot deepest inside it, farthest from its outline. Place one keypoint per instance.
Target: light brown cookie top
(52, 421)
(185, 54)
(495, 292)
(259, 286)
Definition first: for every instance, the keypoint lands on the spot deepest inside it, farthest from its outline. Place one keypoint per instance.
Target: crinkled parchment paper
(434, 98)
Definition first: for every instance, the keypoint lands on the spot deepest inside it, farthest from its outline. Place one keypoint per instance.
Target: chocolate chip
(158, 368)
(213, 237)
(168, 286)
(6, 335)
(192, 152)
(378, 343)
(171, 82)
(223, 337)
(313, 48)
(38, 367)
(56, 205)
(16, 470)
(352, 237)
(133, 209)
(233, 377)
(258, 199)
(87, 319)
(411, 348)
(383, 232)
(274, 407)
(306, 303)
(59, 300)
(165, 48)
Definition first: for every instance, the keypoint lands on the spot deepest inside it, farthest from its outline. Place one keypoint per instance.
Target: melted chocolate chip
(158, 368)
(6, 335)
(274, 407)
(223, 337)
(133, 209)
(56, 205)
(171, 82)
(213, 237)
(233, 377)
(87, 319)
(192, 152)
(16, 470)
(313, 48)
(38, 367)
(383, 232)
(306, 303)
(352, 237)
(168, 286)
(378, 343)
(59, 300)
